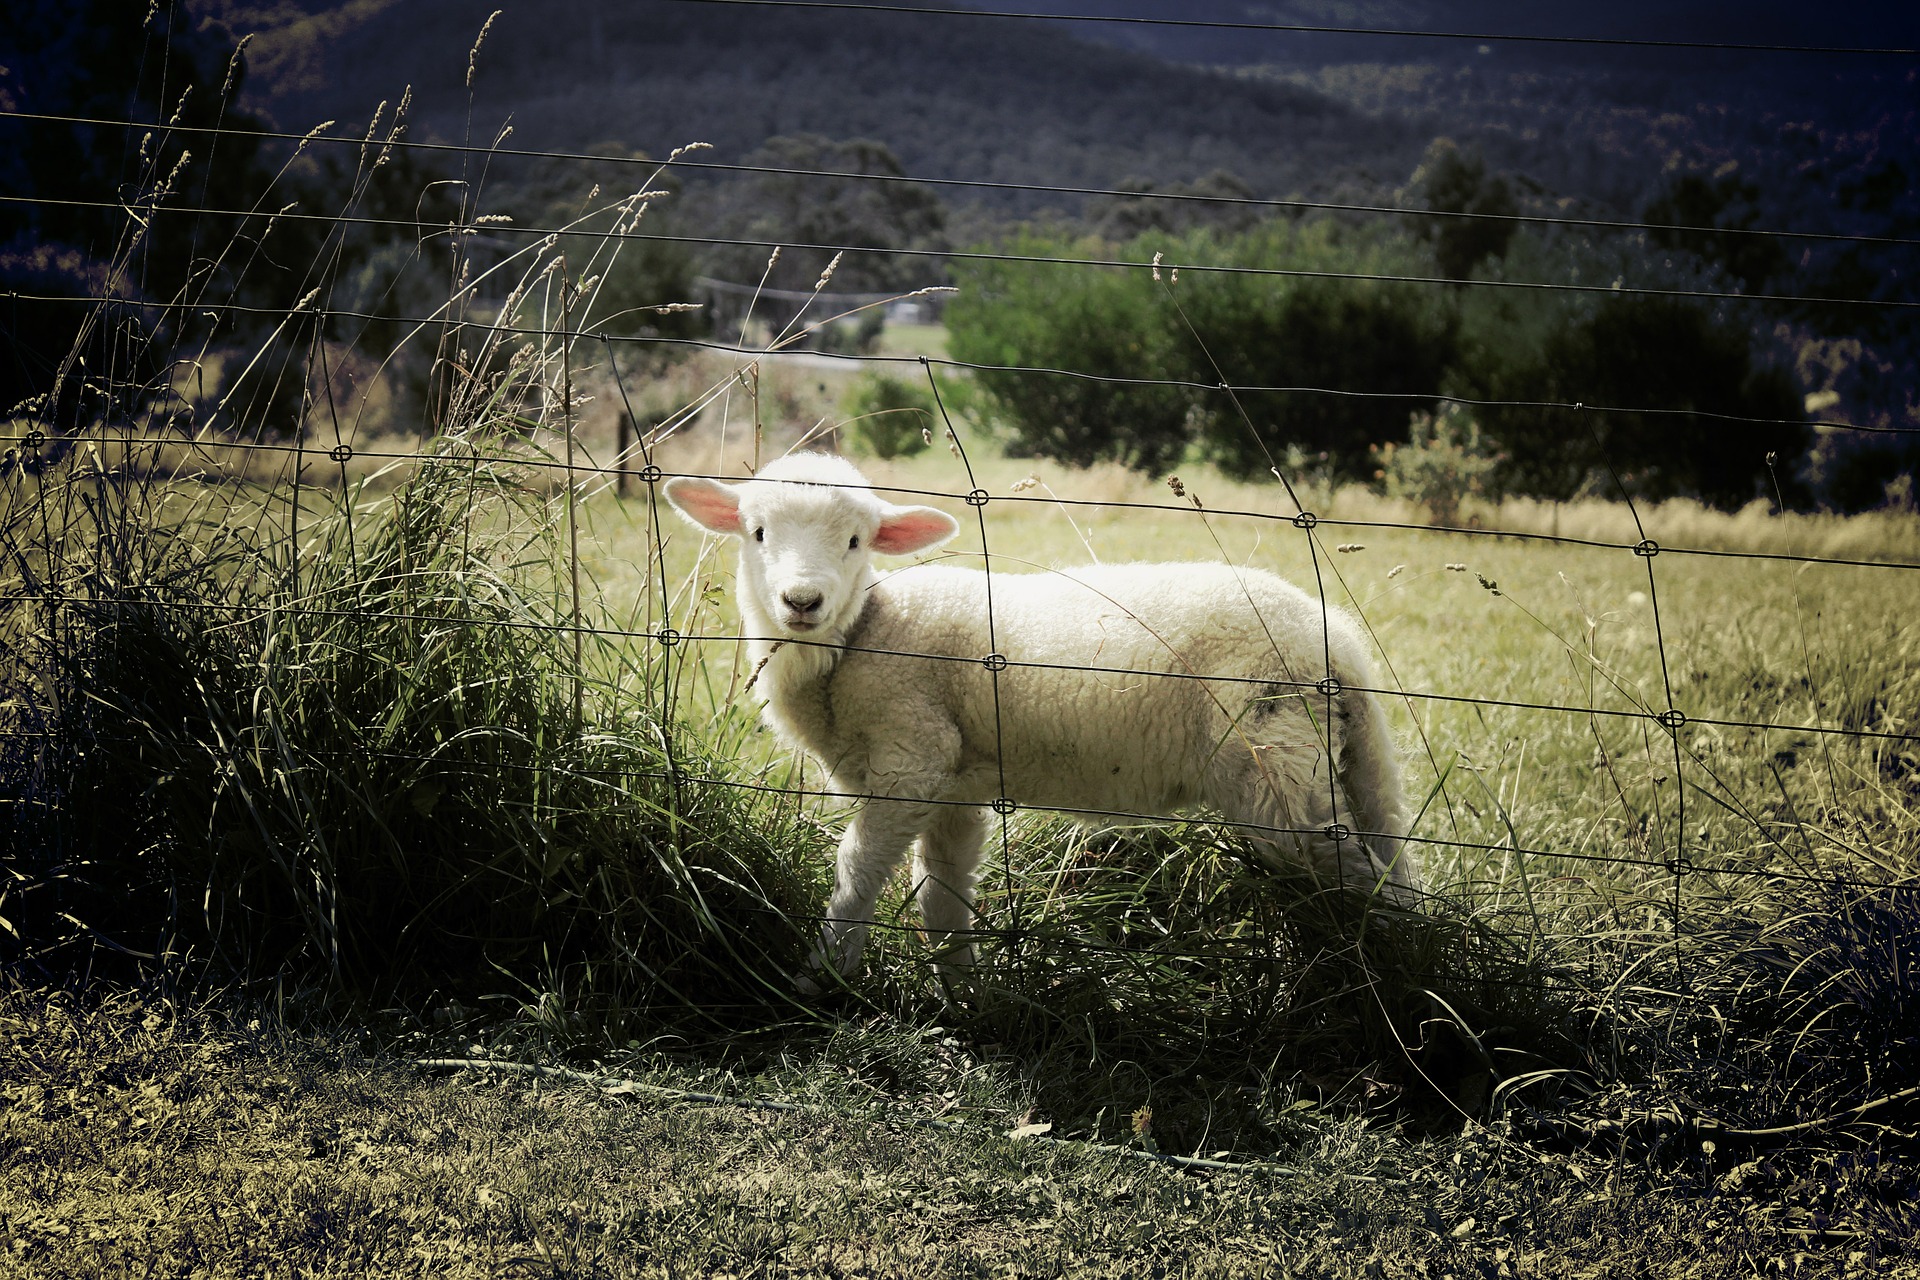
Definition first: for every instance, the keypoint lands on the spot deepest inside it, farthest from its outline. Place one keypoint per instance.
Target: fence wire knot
(1338, 831)
(1646, 547)
(651, 474)
(994, 662)
(34, 438)
(978, 498)
(1329, 686)
(668, 637)
(1672, 718)
(1305, 520)
(1004, 806)
(340, 452)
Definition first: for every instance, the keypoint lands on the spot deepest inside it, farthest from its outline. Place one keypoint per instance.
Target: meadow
(414, 744)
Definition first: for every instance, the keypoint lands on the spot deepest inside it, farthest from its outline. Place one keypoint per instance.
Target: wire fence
(1659, 702)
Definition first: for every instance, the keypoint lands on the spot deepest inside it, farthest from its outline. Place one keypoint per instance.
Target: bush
(1675, 379)
(1124, 331)
(1346, 359)
(1358, 353)
(889, 418)
(1444, 461)
(1106, 324)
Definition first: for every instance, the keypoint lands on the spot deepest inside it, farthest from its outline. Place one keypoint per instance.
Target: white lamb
(1132, 689)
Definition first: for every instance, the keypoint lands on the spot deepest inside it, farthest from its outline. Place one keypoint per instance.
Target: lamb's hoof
(956, 985)
(820, 978)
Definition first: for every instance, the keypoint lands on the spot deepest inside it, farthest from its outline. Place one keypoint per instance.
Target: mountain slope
(962, 98)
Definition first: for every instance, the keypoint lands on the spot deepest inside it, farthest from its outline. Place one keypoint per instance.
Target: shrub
(1127, 334)
(1677, 380)
(1444, 461)
(889, 418)
(1106, 324)
(1356, 353)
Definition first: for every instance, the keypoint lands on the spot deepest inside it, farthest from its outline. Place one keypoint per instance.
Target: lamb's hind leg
(945, 862)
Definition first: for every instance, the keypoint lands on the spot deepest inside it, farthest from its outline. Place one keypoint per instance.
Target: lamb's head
(809, 525)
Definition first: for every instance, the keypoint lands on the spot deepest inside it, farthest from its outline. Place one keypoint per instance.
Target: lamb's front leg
(871, 849)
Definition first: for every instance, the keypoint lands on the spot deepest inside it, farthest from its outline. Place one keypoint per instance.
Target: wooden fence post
(620, 453)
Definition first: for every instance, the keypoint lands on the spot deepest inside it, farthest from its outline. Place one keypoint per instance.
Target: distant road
(797, 359)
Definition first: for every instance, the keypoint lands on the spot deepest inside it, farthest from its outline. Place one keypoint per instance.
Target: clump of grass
(1166, 967)
(1794, 1021)
(375, 753)
(370, 735)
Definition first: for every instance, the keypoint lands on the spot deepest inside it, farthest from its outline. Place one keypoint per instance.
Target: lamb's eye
(853, 543)
(760, 535)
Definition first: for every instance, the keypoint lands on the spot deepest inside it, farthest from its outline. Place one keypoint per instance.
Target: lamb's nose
(801, 601)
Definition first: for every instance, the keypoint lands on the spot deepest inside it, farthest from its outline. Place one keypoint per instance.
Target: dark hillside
(1097, 104)
(1003, 101)
(1534, 27)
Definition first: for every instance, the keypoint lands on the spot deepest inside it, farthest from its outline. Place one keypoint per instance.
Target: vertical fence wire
(995, 662)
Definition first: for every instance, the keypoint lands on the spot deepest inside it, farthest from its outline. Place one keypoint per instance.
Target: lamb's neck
(792, 676)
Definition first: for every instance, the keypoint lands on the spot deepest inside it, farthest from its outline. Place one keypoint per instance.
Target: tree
(112, 60)
(1105, 324)
(638, 273)
(1216, 200)
(1364, 354)
(1671, 383)
(176, 218)
(1692, 202)
(872, 207)
(1149, 354)
(1456, 182)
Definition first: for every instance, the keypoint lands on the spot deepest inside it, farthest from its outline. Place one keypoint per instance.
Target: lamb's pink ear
(707, 503)
(905, 530)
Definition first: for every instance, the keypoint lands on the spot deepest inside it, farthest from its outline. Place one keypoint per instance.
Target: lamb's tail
(1372, 776)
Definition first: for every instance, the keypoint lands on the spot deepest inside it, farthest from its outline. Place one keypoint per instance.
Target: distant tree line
(1680, 395)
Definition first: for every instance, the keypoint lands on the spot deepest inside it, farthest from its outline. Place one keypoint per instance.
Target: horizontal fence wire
(1614, 289)
(1302, 28)
(455, 320)
(667, 637)
(749, 355)
(678, 161)
(341, 453)
(1099, 819)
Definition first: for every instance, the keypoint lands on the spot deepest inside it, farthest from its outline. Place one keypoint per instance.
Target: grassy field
(1657, 1020)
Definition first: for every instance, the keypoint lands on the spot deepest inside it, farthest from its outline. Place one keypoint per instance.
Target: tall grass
(372, 754)
(372, 734)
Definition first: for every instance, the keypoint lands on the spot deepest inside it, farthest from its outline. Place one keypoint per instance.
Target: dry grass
(141, 1137)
